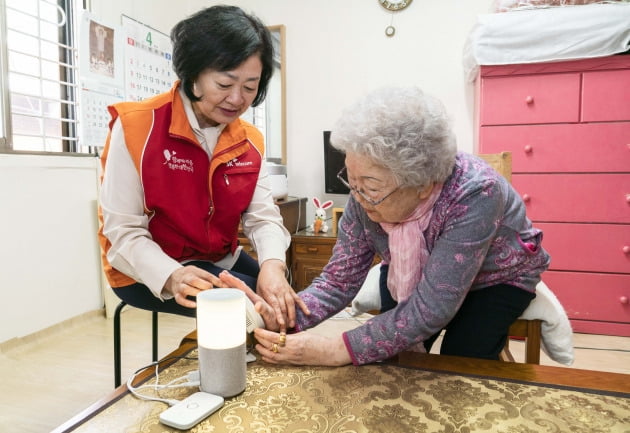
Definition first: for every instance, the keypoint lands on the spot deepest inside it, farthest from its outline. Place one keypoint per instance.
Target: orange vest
(194, 203)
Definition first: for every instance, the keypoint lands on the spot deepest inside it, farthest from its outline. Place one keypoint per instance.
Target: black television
(333, 163)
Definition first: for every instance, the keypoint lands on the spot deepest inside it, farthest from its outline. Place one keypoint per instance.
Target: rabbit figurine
(319, 223)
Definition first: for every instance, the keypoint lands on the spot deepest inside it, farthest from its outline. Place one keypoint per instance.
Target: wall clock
(394, 5)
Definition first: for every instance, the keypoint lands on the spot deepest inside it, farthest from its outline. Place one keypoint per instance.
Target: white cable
(193, 380)
(170, 402)
(299, 216)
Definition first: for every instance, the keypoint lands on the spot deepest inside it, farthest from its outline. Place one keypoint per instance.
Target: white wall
(48, 248)
(336, 51)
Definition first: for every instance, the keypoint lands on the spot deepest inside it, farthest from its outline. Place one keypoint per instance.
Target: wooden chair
(527, 329)
(501, 162)
(530, 330)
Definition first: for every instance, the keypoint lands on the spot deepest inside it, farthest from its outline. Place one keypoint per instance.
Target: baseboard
(27, 340)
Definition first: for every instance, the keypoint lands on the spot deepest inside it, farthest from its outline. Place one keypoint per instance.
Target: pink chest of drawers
(567, 125)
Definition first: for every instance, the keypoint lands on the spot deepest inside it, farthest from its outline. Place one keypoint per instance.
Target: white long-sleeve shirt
(133, 251)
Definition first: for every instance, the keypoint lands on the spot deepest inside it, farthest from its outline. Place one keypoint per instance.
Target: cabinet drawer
(585, 296)
(588, 147)
(606, 96)
(600, 198)
(313, 249)
(602, 328)
(546, 98)
(587, 247)
(305, 270)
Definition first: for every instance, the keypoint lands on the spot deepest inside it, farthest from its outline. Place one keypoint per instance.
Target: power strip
(191, 410)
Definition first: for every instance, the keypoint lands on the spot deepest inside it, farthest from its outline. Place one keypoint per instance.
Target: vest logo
(236, 163)
(174, 163)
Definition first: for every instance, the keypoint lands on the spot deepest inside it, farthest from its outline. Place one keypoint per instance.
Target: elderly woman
(460, 254)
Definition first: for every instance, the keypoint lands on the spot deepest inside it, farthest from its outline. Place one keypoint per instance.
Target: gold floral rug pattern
(378, 399)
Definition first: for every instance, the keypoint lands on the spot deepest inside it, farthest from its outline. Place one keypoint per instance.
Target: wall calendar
(129, 62)
(148, 61)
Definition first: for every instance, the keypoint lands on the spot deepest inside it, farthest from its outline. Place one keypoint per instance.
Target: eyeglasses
(372, 201)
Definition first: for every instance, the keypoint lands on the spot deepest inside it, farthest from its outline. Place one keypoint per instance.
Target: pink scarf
(408, 248)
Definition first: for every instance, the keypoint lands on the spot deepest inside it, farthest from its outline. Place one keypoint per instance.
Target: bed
(542, 32)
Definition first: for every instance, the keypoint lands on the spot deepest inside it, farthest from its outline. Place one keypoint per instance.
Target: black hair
(221, 38)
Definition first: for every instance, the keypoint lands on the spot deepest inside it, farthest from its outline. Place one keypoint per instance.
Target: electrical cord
(299, 216)
(192, 379)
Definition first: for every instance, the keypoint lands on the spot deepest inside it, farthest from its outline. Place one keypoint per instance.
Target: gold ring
(274, 348)
(283, 339)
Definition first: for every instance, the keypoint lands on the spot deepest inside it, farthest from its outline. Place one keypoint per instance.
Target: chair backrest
(501, 162)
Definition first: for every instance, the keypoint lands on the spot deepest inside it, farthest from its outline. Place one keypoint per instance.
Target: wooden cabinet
(293, 211)
(309, 254)
(567, 125)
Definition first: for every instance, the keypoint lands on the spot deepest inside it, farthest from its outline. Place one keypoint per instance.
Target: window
(39, 76)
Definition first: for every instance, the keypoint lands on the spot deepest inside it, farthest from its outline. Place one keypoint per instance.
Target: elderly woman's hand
(303, 348)
(264, 309)
(275, 289)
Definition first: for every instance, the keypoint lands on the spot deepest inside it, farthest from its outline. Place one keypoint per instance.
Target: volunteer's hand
(189, 281)
(273, 286)
(264, 309)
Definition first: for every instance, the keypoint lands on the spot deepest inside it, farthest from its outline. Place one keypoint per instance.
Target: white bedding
(549, 34)
(556, 331)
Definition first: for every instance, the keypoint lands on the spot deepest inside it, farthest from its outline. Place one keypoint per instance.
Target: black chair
(117, 351)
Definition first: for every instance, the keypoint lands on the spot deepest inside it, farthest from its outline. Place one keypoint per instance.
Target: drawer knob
(528, 149)
(529, 100)
(526, 198)
(624, 300)
(626, 249)
(628, 198)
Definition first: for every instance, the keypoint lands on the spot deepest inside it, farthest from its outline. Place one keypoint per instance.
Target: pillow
(508, 5)
(369, 296)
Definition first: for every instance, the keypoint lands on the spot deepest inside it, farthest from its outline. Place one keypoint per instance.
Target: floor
(51, 377)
